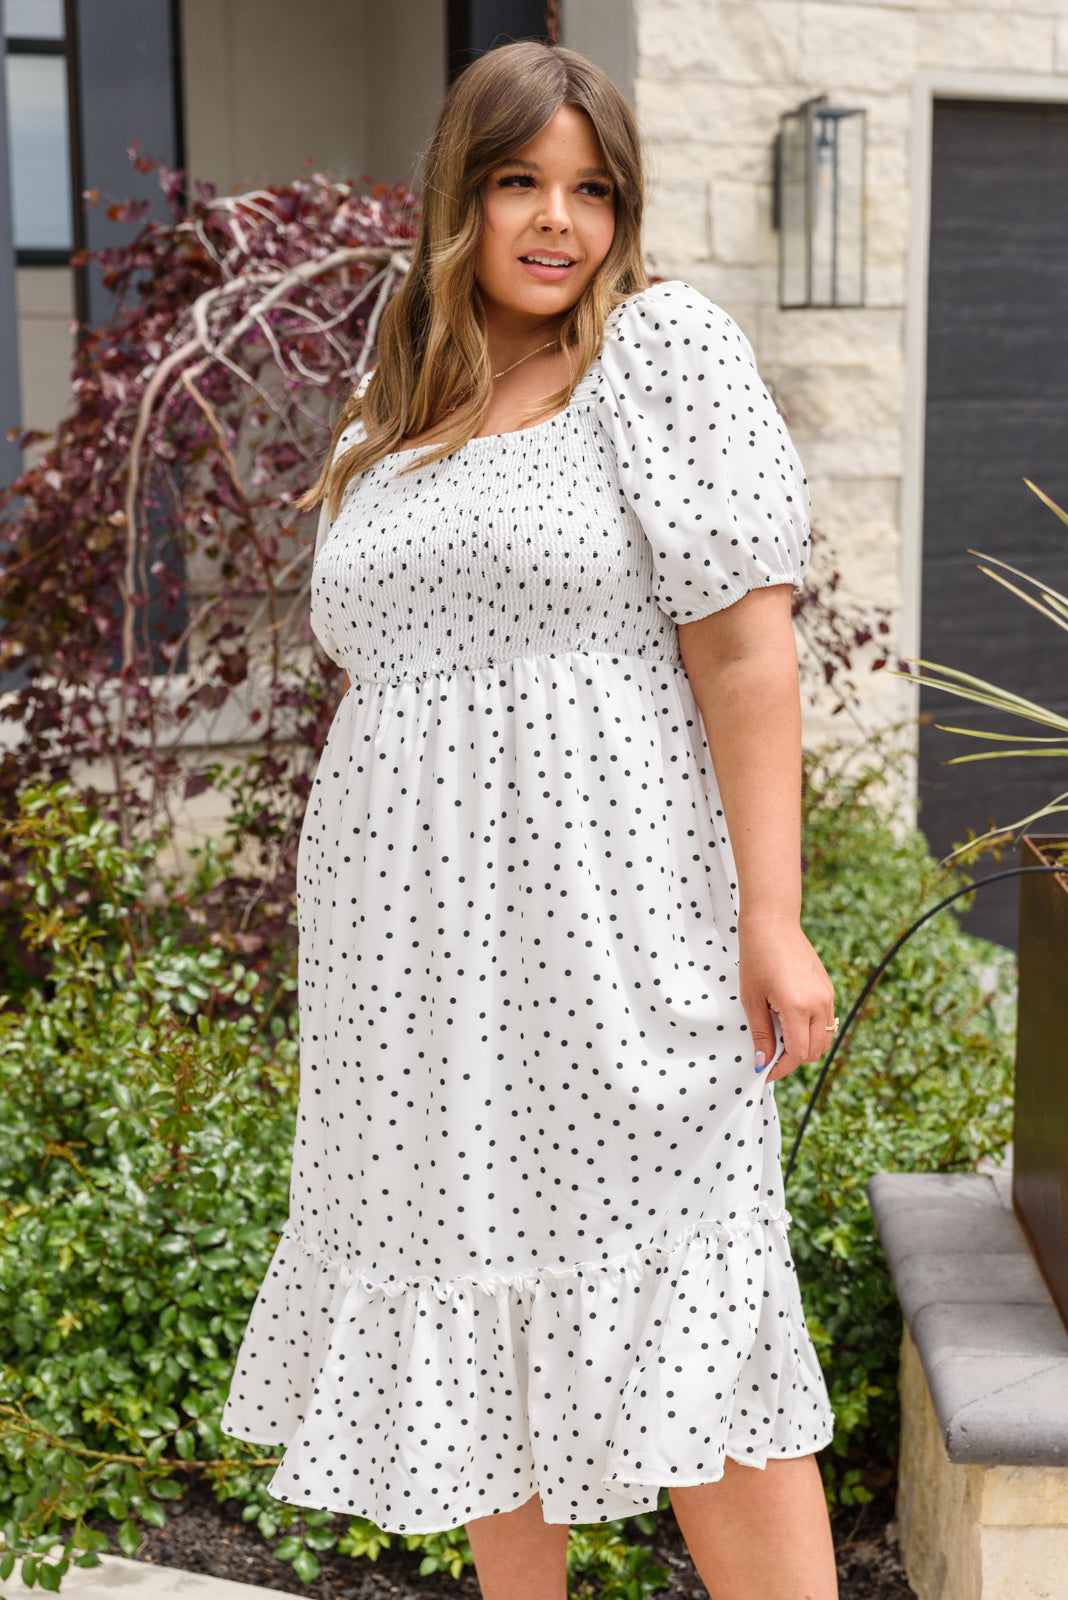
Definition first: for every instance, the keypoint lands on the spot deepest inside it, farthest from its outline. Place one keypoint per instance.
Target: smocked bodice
(665, 490)
(518, 544)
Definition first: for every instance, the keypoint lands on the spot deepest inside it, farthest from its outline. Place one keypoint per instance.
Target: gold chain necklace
(527, 357)
(497, 375)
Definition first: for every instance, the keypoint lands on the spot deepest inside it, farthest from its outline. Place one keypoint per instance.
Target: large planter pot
(1040, 1137)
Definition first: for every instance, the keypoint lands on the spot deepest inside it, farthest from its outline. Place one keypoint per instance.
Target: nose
(554, 216)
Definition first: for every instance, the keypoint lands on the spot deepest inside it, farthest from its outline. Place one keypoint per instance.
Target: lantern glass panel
(821, 207)
(793, 210)
(849, 249)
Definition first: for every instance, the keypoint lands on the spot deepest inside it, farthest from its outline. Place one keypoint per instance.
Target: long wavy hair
(432, 350)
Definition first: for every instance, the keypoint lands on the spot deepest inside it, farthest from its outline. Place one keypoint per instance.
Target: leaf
(306, 1566)
(1008, 738)
(1047, 501)
(129, 1538)
(968, 687)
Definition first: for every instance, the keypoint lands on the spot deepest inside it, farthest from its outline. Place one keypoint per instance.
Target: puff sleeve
(704, 457)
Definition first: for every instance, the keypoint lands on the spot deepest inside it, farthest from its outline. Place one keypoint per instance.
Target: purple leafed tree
(153, 569)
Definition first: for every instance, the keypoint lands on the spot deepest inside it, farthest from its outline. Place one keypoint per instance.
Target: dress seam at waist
(675, 664)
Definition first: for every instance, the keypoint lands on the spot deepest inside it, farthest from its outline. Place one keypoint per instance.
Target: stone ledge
(993, 1347)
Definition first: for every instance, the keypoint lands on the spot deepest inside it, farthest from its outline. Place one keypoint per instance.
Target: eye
(598, 187)
(514, 177)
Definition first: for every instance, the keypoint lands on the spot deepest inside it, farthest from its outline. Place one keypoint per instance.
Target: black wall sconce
(819, 206)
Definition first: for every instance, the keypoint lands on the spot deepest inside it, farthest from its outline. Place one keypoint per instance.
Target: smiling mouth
(549, 261)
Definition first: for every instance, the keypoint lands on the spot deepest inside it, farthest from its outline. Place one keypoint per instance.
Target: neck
(510, 337)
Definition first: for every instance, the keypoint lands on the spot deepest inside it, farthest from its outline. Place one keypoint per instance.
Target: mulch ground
(203, 1536)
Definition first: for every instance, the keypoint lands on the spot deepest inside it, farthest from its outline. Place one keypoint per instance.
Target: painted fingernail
(761, 1061)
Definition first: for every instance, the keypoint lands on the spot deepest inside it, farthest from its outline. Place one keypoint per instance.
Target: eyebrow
(532, 166)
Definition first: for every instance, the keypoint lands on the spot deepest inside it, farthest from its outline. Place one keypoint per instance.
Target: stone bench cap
(992, 1343)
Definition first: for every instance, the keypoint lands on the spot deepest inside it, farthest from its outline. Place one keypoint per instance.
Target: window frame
(67, 47)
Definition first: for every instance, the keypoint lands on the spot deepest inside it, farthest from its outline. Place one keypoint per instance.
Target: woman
(536, 1263)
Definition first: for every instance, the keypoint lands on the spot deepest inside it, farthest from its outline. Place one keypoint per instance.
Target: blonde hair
(432, 351)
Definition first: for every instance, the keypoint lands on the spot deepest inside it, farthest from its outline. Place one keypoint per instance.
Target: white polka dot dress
(537, 1241)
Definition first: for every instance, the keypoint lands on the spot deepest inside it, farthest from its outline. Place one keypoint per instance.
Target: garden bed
(203, 1536)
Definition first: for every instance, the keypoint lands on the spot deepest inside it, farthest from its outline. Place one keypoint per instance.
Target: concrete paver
(140, 1580)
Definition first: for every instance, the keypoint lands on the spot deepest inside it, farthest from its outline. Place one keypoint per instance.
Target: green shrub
(142, 1107)
(147, 1090)
(923, 1084)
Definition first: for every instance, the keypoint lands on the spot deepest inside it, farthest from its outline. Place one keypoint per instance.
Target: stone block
(887, 165)
(885, 286)
(1019, 1495)
(739, 219)
(977, 1532)
(1022, 1423)
(850, 47)
(979, 1327)
(688, 161)
(972, 1280)
(878, 455)
(723, 115)
(739, 290)
(921, 1191)
(677, 222)
(677, 40)
(758, 41)
(1024, 1563)
(870, 578)
(957, 1230)
(1003, 40)
(849, 401)
(886, 225)
(851, 508)
(818, 338)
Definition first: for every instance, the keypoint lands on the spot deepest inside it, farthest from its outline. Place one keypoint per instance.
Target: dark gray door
(997, 412)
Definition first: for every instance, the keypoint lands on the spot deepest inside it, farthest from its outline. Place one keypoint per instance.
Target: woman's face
(553, 202)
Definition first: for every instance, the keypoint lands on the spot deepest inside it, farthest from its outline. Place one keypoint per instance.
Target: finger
(762, 1030)
(824, 1029)
(795, 1034)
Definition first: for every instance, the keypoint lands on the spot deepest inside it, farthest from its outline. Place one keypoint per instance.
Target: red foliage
(152, 565)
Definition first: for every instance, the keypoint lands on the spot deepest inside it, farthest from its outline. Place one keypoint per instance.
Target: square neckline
(577, 395)
(593, 374)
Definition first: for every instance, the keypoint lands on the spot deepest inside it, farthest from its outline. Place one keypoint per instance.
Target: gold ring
(833, 1027)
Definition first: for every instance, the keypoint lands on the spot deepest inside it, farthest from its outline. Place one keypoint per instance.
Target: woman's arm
(742, 665)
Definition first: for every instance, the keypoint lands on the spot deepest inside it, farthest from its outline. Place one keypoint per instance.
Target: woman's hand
(780, 972)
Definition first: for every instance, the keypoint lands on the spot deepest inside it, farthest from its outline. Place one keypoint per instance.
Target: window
(39, 84)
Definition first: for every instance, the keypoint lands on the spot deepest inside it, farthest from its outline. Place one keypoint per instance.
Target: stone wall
(712, 78)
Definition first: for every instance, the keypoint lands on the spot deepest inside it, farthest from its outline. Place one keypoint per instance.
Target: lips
(547, 268)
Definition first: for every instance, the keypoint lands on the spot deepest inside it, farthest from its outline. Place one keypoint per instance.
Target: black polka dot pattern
(537, 1240)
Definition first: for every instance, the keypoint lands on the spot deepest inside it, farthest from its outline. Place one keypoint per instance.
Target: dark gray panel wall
(10, 457)
(475, 26)
(128, 91)
(997, 411)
